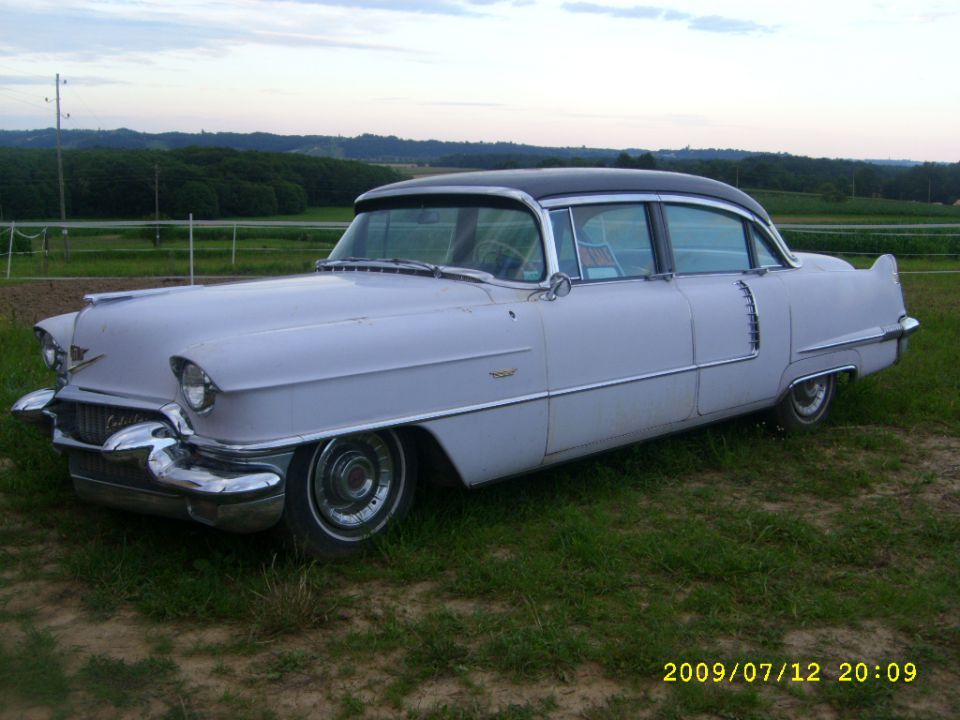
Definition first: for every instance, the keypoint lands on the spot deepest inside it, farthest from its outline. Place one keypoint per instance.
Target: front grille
(95, 467)
(93, 424)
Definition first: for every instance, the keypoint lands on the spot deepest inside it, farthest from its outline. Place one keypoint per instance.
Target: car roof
(545, 183)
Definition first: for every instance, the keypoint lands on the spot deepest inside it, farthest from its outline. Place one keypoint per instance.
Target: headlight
(198, 389)
(52, 353)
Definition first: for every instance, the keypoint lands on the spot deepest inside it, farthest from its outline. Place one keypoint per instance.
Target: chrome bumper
(172, 480)
(901, 332)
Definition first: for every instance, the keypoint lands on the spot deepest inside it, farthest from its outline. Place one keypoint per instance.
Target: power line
(16, 99)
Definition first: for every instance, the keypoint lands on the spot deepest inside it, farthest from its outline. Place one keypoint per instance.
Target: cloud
(717, 24)
(424, 7)
(705, 23)
(288, 39)
(636, 12)
(87, 34)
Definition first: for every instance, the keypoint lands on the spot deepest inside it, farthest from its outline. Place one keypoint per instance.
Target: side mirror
(560, 286)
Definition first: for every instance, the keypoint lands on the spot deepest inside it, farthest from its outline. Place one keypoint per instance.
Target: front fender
(60, 327)
(370, 371)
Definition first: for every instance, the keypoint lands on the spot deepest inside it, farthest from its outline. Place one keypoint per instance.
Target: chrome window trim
(554, 203)
(708, 202)
(573, 234)
(791, 259)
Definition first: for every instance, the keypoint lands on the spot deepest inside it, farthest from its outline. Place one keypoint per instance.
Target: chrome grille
(94, 466)
(93, 424)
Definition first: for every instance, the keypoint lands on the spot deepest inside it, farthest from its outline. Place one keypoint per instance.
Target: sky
(823, 78)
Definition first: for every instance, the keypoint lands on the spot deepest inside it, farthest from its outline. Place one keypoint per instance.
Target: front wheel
(807, 404)
(344, 492)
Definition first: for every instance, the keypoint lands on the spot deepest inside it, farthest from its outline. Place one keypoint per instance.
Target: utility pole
(156, 201)
(63, 208)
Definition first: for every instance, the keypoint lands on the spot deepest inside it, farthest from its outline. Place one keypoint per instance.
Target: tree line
(834, 179)
(208, 182)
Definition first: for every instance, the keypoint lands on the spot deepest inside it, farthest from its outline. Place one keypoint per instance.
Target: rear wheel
(807, 404)
(343, 493)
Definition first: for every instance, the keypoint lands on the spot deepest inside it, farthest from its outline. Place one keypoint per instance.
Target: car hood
(124, 341)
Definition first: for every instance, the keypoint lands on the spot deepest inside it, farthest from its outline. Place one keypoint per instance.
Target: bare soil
(30, 302)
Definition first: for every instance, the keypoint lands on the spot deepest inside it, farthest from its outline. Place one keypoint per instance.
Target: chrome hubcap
(352, 480)
(808, 396)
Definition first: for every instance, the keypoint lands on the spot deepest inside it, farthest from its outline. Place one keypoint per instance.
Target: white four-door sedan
(483, 324)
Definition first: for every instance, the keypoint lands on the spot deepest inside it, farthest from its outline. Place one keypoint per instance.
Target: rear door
(730, 275)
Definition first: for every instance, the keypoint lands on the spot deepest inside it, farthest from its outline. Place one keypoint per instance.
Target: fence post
(10, 250)
(233, 252)
(191, 248)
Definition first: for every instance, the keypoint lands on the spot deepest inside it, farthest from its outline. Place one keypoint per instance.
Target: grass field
(561, 594)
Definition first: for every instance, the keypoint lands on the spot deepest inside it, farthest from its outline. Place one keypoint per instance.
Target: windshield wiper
(435, 270)
(343, 261)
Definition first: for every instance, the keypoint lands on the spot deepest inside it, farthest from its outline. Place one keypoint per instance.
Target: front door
(619, 346)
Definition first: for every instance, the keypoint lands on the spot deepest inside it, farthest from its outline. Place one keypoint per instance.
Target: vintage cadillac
(474, 326)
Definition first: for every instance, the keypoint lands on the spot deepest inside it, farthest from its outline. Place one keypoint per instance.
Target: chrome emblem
(81, 365)
(505, 373)
(77, 353)
(119, 422)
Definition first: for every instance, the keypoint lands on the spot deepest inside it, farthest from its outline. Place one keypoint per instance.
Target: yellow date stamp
(793, 672)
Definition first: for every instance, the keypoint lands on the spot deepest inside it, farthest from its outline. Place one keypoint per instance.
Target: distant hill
(371, 148)
(836, 178)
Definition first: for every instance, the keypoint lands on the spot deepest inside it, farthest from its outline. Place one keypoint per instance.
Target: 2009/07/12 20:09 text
(750, 672)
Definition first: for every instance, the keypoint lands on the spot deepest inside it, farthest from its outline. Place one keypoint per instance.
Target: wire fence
(168, 247)
(188, 248)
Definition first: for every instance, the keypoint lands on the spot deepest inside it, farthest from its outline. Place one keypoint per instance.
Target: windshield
(504, 242)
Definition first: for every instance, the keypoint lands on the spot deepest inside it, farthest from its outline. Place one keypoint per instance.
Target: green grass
(119, 253)
(718, 545)
(795, 207)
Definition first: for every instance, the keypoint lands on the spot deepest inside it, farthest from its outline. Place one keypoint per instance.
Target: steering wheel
(499, 249)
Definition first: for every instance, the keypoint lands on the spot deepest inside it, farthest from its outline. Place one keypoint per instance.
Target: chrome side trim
(904, 328)
(717, 363)
(624, 381)
(218, 447)
(814, 376)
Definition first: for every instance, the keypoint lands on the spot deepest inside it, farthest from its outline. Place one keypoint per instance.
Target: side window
(706, 240)
(767, 256)
(613, 241)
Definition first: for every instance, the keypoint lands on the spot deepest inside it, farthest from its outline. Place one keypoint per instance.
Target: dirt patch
(29, 302)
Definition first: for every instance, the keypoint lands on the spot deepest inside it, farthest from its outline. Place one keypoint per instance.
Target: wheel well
(434, 463)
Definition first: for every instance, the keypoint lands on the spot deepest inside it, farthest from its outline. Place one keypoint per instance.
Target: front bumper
(146, 462)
